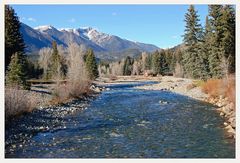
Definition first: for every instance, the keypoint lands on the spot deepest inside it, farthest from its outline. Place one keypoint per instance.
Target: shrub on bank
(221, 87)
(17, 101)
(78, 81)
(230, 91)
(213, 87)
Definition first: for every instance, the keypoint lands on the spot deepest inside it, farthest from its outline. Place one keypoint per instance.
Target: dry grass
(191, 86)
(17, 102)
(64, 92)
(221, 87)
(230, 90)
(195, 83)
(213, 87)
(77, 89)
(198, 83)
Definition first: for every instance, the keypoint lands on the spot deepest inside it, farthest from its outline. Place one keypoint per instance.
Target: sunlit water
(122, 122)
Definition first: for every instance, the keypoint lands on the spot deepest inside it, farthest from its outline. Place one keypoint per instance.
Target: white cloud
(72, 20)
(114, 14)
(31, 19)
(175, 37)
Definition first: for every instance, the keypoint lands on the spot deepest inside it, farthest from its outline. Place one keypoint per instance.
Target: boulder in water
(97, 89)
(163, 102)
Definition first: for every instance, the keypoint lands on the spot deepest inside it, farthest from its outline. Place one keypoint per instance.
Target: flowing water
(122, 122)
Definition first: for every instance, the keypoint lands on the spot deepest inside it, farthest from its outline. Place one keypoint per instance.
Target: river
(122, 122)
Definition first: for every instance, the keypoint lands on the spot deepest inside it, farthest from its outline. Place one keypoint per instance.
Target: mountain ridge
(106, 46)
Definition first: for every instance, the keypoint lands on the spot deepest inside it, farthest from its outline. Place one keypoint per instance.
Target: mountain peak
(86, 28)
(105, 45)
(44, 28)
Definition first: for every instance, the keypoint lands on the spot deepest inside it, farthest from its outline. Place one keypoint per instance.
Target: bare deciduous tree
(116, 68)
(178, 72)
(44, 60)
(137, 67)
(78, 81)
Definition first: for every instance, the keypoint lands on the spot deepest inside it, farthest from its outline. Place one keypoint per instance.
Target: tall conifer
(192, 38)
(91, 65)
(215, 55)
(13, 39)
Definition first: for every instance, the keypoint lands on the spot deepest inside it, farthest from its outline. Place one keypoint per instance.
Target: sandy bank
(177, 85)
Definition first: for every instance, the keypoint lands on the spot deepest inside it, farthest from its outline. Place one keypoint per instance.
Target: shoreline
(42, 95)
(186, 87)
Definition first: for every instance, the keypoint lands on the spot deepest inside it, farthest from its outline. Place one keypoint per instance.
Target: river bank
(187, 87)
(41, 95)
(123, 122)
(19, 102)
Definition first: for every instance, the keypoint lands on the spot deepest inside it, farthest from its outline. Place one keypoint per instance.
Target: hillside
(105, 46)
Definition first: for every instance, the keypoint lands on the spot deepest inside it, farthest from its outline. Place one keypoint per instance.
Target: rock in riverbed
(163, 102)
(230, 129)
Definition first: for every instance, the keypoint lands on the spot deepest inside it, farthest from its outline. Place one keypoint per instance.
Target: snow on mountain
(106, 44)
(44, 28)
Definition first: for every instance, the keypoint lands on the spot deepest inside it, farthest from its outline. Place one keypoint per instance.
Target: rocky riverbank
(227, 111)
(177, 85)
(40, 96)
(187, 87)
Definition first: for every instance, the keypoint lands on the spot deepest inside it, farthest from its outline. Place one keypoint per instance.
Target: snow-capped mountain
(106, 46)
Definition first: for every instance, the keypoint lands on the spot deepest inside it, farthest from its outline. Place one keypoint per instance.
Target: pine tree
(55, 61)
(216, 53)
(228, 37)
(164, 65)
(91, 65)
(13, 39)
(148, 62)
(178, 54)
(192, 38)
(16, 74)
(178, 68)
(205, 48)
(156, 67)
(169, 60)
(128, 66)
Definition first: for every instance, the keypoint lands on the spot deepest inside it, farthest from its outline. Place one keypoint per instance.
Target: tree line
(160, 62)
(53, 63)
(210, 51)
(206, 52)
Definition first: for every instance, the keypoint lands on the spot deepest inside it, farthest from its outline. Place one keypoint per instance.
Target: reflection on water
(122, 122)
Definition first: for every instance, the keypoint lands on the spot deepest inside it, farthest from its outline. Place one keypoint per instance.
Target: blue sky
(161, 25)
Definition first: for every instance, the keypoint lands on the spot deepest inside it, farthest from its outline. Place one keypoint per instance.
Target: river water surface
(121, 123)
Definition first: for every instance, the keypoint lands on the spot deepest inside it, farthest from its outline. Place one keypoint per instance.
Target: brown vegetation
(178, 70)
(191, 86)
(221, 87)
(44, 60)
(78, 82)
(230, 92)
(17, 102)
(213, 87)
